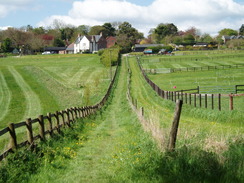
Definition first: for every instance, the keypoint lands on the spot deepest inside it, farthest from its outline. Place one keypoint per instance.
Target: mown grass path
(115, 148)
(33, 105)
(5, 96)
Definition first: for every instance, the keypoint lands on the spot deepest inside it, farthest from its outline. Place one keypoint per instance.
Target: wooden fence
(192, 69)
(156, 132)
(212, 101)
(50, 123)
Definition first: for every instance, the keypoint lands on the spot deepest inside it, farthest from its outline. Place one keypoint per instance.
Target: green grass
(113, 147)
(201, 131)
(33, 85)
(221, 81)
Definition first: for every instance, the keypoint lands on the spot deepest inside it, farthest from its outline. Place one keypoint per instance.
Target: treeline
(28, 39)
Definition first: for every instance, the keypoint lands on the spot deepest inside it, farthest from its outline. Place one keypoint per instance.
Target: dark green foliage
(127, 36)
(234, 162)
(19, 166)
(241, 30)
(163, 30)
(58, 42)
(110, 56)
(7, 45)
(191, 165)
(228, 32)
(109, 30)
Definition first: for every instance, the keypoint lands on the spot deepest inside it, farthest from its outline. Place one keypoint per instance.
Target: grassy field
(112, 146)
(212, 81)
(33, 85)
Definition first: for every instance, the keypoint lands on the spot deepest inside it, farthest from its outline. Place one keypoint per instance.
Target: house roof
(147, 45)
(94, 38)
(55, 48)
(70, 47)
(232, 37)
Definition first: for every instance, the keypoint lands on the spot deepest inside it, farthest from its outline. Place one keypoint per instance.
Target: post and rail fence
(48, 124)
(196, 99)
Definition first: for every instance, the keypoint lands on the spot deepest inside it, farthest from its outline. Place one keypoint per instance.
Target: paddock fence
(209, 101)
(149, 126)
(45, 126)
(192, 69)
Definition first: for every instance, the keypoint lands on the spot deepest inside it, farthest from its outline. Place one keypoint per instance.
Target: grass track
(115, 144)
(33, 106)
(5, 96)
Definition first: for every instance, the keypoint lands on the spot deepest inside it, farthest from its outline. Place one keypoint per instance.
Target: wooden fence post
(175, 125)
(190, 98)
(142, 111)
(50, 123)
(68, 117)
(206, 101)
(200, 100)
(57, 118)
(195, 100)
(175, 97)
(63, 119)
(13, 138)
(231, 102)
(212, 98)
(41, 127)
(219, 98)
(29, 131)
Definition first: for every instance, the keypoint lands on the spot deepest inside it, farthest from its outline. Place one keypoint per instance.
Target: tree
(67, 33)
(163, 30)
(109, 30)
(39, 30)
(7, 45)
(127, 36)
(206, 38)
(228, 32)
(83, 29)
(58, 42)
(96, 30)
(188, 39)
(241, 30)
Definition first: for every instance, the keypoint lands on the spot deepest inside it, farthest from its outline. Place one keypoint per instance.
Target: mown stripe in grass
(17, 104)
(5, 97)
(33, 106)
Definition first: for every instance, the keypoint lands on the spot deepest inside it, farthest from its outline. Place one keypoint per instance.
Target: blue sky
(209, 16)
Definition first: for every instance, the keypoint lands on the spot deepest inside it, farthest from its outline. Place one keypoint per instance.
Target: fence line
(50, 123)
(155, 131)
(194, 99)
(192, 69)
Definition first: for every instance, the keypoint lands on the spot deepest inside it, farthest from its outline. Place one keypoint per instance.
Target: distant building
(142, 47)
(227, 38)
(201, 45)
(70, 49)
(111, 40)
(56, 50)
(89, 44)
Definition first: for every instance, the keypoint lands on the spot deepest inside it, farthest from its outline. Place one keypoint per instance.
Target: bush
(110, 56)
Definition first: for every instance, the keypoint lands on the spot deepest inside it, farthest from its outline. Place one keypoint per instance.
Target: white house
(89, 43)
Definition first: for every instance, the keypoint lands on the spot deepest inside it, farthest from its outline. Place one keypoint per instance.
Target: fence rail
(213, 101)
(192, 69)
(49, 123)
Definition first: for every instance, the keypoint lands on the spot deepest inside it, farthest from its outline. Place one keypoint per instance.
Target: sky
(208, 16)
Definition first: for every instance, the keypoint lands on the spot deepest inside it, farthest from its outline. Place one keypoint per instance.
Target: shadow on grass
(195, 165)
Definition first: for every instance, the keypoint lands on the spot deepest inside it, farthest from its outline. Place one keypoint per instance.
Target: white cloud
(7, 6)
(207, 15)
(5, 27)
